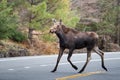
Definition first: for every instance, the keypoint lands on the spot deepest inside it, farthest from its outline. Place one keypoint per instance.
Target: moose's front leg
(58, 59)
(69, 57)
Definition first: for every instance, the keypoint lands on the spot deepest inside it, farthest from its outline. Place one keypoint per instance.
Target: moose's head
(57, 26)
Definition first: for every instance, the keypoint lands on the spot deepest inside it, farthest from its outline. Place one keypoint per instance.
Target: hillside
(86, 8)
(26, 24)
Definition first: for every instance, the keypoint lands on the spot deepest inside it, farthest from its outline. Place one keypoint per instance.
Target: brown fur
(66, 29)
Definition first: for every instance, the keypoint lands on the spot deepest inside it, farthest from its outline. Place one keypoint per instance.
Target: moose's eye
(57, 26)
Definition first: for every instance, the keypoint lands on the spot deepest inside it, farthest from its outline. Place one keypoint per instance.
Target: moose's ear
(60, 21)
(54, 21)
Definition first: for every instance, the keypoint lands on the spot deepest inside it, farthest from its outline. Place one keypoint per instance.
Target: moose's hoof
(75, 68)
(53, 71)
(81, 71)
(104, 68)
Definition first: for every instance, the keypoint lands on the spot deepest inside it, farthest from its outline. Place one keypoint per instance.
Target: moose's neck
(61, 37)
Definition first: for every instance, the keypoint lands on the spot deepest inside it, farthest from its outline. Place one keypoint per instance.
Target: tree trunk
(30, 37)
(117, 23)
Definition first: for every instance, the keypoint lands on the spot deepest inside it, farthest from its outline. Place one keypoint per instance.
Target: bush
(8, 20)
(18, 36)
(48, 37)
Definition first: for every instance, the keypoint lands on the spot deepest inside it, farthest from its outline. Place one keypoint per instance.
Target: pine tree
(7, 19)
(109, 24)
(63, 11)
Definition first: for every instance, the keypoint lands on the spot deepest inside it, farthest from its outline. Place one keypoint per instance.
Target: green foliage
(17, 36)
(106, 29)
(63, 12)
(48, 37)
(48, 9)
(7, 19)
(8, 23)
(41, 15)
(43, 12)
(108, 15)
(92, 26)
(109, 12)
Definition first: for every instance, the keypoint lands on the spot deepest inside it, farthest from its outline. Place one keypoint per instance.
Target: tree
(45, 10)
(7, 19)
(38, 15)
(109, 24)
(63, 11)
(117, 23)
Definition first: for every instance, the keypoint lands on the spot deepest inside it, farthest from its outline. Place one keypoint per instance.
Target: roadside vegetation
(24, 24)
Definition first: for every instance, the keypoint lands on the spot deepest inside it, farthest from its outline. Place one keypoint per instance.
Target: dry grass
(44, 48)
(39, 47)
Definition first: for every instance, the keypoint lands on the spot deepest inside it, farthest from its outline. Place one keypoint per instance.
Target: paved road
(39, 67)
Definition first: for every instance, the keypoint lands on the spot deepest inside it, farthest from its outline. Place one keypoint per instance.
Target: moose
(72, 39)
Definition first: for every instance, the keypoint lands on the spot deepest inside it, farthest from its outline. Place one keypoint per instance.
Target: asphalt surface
(39, 67)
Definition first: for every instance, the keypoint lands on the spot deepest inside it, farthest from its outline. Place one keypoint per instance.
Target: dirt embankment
(12, 49)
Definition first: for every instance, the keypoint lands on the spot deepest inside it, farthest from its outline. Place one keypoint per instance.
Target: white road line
(7, 60)
(43, 65)
(10, 69)
(48, 56)
(27, 67)
(95, 60)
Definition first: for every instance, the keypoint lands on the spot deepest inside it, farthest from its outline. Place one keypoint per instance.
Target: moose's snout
(52, 30)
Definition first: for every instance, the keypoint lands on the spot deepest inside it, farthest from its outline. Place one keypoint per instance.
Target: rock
(112, 47)
(19, 52)
(1, 55)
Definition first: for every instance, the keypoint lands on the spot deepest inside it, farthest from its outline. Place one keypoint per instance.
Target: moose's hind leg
(101, 54)
(88, 59)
